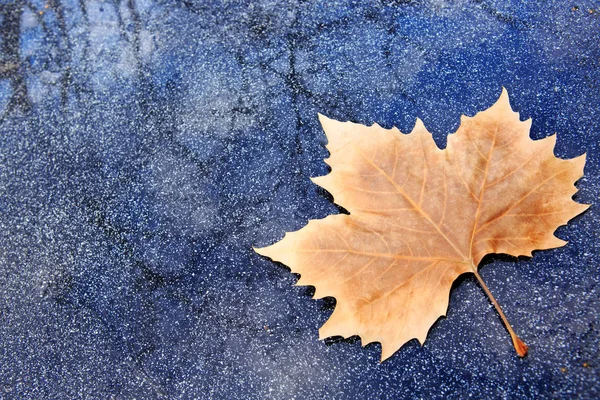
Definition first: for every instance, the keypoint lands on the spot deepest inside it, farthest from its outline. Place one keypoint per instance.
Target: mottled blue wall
(146, 145)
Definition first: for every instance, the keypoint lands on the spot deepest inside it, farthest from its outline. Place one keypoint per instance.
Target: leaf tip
(272, 251)
(323, 335)
(259, 250)
(583, 207)
(318, 180)
(550, 139)
(334, 131)
(326, 122)
(322, 117)
(419, 126)
(503, 101)
(580, 160)
(387, 351)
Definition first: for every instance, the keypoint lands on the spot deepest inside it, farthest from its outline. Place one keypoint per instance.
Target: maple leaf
(421, 216)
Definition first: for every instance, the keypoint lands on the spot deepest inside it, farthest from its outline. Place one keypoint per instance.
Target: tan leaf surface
(421, 216)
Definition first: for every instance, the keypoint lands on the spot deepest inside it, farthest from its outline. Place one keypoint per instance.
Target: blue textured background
(146, 145)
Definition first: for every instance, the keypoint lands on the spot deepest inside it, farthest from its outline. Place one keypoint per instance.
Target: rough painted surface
(145, 146)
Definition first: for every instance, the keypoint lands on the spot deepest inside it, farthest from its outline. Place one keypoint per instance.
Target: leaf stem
(520, 346)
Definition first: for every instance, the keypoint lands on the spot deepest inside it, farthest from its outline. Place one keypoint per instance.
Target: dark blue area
(147, 145)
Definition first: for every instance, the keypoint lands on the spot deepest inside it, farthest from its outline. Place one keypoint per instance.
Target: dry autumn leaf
(421, 216)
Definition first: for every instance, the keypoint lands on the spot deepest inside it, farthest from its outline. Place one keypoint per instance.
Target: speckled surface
(146, 145)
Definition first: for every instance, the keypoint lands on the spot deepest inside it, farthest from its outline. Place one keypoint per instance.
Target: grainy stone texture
(146, 145)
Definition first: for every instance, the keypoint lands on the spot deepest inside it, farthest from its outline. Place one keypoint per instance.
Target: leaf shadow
(340, 339)
(494, 257)
(328, 304)
(325, 194)
(470, 277)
